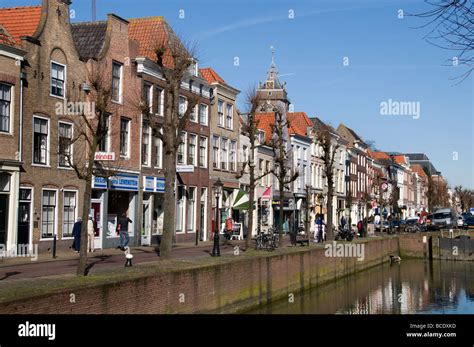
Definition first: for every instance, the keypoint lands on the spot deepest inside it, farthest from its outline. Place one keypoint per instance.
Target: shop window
(191, 208)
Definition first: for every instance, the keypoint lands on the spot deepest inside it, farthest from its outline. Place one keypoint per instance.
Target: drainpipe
(20, 133)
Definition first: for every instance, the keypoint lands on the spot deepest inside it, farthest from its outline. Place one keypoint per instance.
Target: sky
(341, 60)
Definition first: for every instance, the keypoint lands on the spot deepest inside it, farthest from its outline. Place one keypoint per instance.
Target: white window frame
(55, 225)
(193, 230)
(183, 216)
(107, 136)
(48, 154)
(221, 154)
(72, 145)
(196, 145)
(150, 87)
(218, 159)
(129, 121)
(185, 105)
(120, 94)
(51, 80)
(158, 165)
(76, 192)
(161, 95)
(229, 116)
(219, 123)
(207, 114)
(185, 147)
(150, 145)
(12, 106)
(205, 152)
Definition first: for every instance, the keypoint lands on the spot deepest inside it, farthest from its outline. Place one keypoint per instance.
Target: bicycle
(266, 240)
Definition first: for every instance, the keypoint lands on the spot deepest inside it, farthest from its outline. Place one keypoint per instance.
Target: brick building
(11, 96)
(50, 191)
(193, 183)
(106, 49)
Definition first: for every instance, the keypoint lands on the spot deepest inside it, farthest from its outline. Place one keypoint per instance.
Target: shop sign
(99, 182)
(154, 184)
(124, 182)
(184, 168)
(104, 156)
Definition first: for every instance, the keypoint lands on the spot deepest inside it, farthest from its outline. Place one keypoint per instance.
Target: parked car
(444, 218)
(410, 222)
(460, 221)
(469, 223)
(396, 225)
(430, 226)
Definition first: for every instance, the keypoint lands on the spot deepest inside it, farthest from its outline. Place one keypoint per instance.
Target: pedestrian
(360, 228)
(76, 233)
(343, 222)
(90, 235)
(229, 227)
(319, 229)
(122, 229)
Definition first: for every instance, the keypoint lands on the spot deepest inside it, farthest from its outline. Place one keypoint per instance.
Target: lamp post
(217, 191)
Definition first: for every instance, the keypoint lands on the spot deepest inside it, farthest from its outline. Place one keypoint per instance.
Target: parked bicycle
(267, 240)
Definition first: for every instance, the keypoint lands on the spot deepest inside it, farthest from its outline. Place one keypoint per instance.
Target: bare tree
(451, 24)
(329, 149)
(90, 129)
(465, 197)
(174, 58)
(283, 172)
(250, 129)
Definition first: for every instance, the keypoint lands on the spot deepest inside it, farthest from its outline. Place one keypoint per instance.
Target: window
(65, 144)
(5, 101)
(148, 95)
(233, 155)
(48, 213)
(203, 114)
(203, 151)
(179, 208)
(267, 170)
(224, 154)
(229, 116)
(57, 79)
(245, 154)
(215, 152)
(124, 137)
(159, 101)
(304, 154)
(261, 169)
(191, 208)
(116, 82)
(158, 144)
(182, 148)
(220, 112)
(146, 144)
(261, 136)
(40, 141)
(298, 152)
(194, 114)
(69, 213)
(192, 139)
(182, 105)
(104, 138)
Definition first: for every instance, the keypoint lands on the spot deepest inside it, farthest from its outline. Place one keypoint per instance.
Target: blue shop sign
(99, 183)
(160, 185)
(124, 182)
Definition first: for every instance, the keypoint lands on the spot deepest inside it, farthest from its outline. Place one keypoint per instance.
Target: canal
(413, 286)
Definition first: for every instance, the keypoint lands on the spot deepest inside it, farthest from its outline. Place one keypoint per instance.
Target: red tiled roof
(151, 33)
(20, 21)
(378, 155)
(298, 123)
(265, 121)
(400, 159)
(418, 169)
(211, 76)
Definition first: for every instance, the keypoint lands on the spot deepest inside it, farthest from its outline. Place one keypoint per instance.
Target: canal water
(413, 286)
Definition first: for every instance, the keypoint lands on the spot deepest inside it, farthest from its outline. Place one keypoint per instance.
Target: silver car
(444, 218)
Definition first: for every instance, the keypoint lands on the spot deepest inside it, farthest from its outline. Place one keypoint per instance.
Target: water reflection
(410, 287)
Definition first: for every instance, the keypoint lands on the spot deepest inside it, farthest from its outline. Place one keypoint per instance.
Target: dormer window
(261, 136)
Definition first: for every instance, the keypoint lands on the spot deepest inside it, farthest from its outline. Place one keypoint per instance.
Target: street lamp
(217, 191)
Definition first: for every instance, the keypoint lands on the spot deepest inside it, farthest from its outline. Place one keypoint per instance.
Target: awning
(240, 200)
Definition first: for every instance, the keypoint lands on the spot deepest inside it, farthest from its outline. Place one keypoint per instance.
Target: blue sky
(388, 59)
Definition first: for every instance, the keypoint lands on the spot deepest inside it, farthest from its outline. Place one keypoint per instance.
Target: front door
(97, 217)
(3, 218)
(24, 217)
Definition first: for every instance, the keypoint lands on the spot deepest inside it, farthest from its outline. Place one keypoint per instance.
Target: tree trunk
(86, 203)
(169, 204)
(329, 231)
(280, 212)
(251, 212)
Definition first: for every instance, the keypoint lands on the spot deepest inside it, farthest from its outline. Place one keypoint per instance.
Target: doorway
(24, 217)
(3, 218)
(146, 221)
(96, 207)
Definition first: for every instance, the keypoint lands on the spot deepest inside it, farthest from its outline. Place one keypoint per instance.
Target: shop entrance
(146, 220)
(96, 207)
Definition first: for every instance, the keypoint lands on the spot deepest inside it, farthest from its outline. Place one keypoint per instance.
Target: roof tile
(20, 21)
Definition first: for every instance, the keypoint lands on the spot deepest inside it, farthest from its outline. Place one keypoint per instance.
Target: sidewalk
(66, 262)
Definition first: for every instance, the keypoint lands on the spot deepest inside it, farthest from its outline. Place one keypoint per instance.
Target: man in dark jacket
(122, 226)
(76, 233)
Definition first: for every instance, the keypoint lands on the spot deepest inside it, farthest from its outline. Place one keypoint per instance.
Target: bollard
(54, 247)
(128, 257)
(197, 237)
